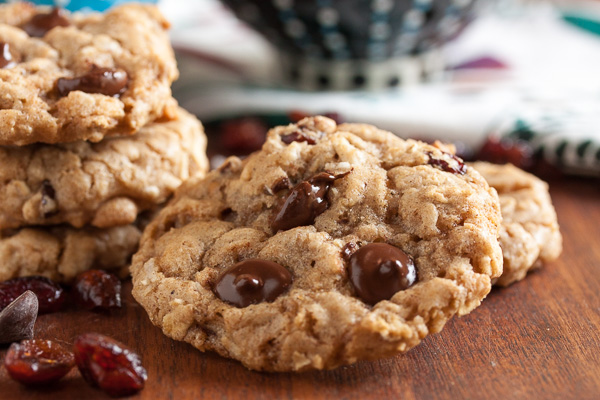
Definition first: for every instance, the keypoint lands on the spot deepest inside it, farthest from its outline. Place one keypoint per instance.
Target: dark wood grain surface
(538, 339)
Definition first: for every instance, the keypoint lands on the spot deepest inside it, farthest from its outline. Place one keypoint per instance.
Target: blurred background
(505, 80)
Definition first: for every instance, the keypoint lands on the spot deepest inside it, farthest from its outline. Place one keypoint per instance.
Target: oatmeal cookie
(529, 235)
(65, 78)
(330, 245)
(61, 253)
(103, 184)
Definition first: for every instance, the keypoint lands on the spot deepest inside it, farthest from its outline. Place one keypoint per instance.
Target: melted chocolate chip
(305, 202)
(7, 58)
(18, 318)
(106, 81)
(378, 270)
(456, 168)
(281, 184)
(40, 24)
(252, 281)
(298, 136)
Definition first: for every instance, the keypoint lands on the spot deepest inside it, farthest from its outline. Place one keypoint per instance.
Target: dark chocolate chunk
(106, 81)
(7, 58)
(18, 318)
(281, 184)
(252, 281)
(455, 167)
(305, 202)
(378, 270)
(48, 204)
(48, 189)
(40, 24)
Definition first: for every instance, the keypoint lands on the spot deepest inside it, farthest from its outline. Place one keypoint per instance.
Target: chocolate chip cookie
(61, 253)
(330, 245)
(73, 77)
(529, 235)
(102, 184)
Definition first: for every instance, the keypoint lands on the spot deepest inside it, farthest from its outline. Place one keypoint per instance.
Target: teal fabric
(92, 5)
(590, 25)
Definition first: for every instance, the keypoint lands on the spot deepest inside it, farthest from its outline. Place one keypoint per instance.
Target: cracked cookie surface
(49, 91)
(529, 235)
(101, 184)
(377, 188)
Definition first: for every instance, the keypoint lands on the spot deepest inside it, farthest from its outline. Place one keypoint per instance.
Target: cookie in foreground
(332, 244)
(82, 77)
(101, 184)
(529, 235)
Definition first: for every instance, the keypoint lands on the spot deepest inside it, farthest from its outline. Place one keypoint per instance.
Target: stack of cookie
(91, 140)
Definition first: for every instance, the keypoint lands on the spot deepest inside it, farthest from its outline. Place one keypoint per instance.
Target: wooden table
(538, 339)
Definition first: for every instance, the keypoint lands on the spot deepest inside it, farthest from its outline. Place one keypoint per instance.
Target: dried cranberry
(35, 362)
(349, 249)
(298, 136)
(243, 135)
(507, 150)
(334, 116)
(456, 166)
(18, 318)
(98, 290)
(297, 115)
(50, 295)
(109, 364)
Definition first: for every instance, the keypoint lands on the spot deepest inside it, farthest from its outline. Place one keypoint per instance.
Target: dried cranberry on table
(243, 135)
(51, 296)
(297, 115)
(507, 150)
(97, 290)
(109, 365)
(37, 362)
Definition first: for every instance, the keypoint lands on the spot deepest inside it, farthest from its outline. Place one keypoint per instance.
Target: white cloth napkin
(543, 87)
